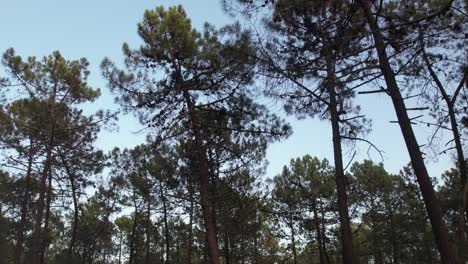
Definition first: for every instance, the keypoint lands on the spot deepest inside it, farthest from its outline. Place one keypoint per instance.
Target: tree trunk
(190, 239)
(24, 208)
(293, 239)
(166, 225)
(318, 232)
(37, 234)
(204, 174)
(120, 247)
(131, 259)
(324, 234)
(345, 225)
(148, 231)
(227, 258)
(378, 257)
(393, 236)
(450, 102)
(45, 235)
(433, 208)
(37, 247)
(75, 207)
(257, 227)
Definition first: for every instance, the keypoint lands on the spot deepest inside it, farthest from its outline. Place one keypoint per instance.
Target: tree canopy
(212, 100)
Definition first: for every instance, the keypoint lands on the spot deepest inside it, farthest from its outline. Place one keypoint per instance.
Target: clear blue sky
(97, 28)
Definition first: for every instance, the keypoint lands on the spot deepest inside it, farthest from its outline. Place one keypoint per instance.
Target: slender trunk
(2, 245)
(45, 235)
(24, 208)
(433, 208)
(378, 258)
(75, 221)
(22, 224)
(190, 239)
(257, 227)
(345, 225)
(227, 258)
(75, 207)
(318, 233)
(166, 225)
(393, 236)
(204, 175)
(37, 237)
(120, 247)
(461, 235)
(131, 259)
(148, 231)
(255, 245)
(242, 247)
(450, 102)
(324, 234)
(293, 239)
(37, 247)
(214, 196)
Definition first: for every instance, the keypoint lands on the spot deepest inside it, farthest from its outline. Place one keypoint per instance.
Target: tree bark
(120, 247)
(227, 258)
(75, 207)
(318, 232)
(131, 259)
(204, 174)
(24, 208)
(324, 234)
(148, 231)
(345, 225)
(393, 236)
(190, 239)
(36, 243)
(166, 224)
(462, 170)
(45, 235)
(433, 208)
(293, 239)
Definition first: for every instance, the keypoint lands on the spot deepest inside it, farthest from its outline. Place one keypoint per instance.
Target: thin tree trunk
(293, 239)
(345, 225)
(37, 247)
(318, 231)
(75, 207)
(433, 208)
(242, 247)
(131, 259)
(393, 236)
(450, 102)
(227, 258)
(204, 174)
(324, 234)
(461, 235)
(148, 231)
(24, 208)
(255, 245)
(37, 234)
(166, 225)
(378, 258)
(214, 195)
(45, 235)
(190, 239)
(120, 247)
(257, 227)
